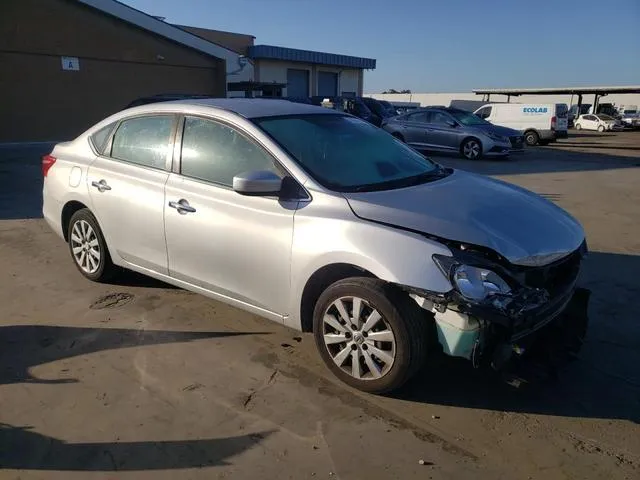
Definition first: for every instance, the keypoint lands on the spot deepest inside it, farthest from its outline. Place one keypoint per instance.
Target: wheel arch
(528, 130)
(471, 137)
(319, 281)
(71, 207)
(398, 135)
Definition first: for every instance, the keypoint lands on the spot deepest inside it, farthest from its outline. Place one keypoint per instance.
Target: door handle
(101, 185)
(182, 206)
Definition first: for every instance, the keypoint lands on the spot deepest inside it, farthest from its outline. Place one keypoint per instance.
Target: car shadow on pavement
(22, 448)
(23, 347)
(604, 382)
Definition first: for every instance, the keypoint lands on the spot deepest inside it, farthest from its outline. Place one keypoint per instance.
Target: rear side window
(214, 152)
(144, 141)
(418, 117)
(440, 119)
(99, 139)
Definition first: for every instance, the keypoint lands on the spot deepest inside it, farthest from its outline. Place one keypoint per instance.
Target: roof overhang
(558, 91)
(163, 29)
(252, 86)
(270, 52)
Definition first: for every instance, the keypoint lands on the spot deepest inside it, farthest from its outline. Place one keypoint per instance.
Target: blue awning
(307, 56)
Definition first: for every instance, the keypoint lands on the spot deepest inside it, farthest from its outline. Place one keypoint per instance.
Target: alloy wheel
(471, 149)
(85, 246)
(359, 340)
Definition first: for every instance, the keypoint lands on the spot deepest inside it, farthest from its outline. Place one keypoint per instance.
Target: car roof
(256, 107)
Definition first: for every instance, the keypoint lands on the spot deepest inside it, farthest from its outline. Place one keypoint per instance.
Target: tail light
(47, 163)
(553, 122)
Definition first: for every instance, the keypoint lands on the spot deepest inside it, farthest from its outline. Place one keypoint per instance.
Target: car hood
(498, 130)
(521, 226)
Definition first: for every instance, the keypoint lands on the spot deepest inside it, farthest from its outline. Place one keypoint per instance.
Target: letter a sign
(70, 63)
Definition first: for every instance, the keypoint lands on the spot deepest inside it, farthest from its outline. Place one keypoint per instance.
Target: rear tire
(578, 126)
(372, 336)
(471, 149)
(532, 138)
(88, 248)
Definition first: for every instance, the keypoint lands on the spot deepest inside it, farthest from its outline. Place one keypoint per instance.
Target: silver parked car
(321, 221)
(454, 130)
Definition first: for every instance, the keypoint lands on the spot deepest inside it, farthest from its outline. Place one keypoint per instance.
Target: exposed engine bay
(499, 311)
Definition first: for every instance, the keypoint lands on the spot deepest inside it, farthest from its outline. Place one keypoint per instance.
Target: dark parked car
(377, 108)
(390, 108)
(353, 105)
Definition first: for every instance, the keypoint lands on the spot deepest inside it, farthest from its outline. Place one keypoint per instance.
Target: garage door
(297, 83)
(327, 84)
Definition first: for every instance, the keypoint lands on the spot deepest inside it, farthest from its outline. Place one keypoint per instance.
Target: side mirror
(257, 183)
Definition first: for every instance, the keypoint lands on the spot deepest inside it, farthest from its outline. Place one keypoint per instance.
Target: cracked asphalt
(142, 380)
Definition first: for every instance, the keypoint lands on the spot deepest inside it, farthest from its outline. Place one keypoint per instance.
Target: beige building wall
(349, 80)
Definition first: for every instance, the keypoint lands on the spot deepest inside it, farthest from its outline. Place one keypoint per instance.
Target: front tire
(600, 128)
(369, 334)
(88, 247)
(471, 149)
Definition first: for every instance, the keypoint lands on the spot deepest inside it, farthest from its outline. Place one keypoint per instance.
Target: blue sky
(442, 45)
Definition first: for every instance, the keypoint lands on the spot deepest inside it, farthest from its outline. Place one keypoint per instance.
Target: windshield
(605, 117)
(630, 112)
(467, 118)
(347, 154)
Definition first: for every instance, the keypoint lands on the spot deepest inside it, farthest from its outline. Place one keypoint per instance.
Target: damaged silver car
(325, 223)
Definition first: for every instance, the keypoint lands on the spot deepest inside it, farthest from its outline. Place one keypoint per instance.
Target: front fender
(391, 254)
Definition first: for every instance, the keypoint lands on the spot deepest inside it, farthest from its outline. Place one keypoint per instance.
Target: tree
(393, 90)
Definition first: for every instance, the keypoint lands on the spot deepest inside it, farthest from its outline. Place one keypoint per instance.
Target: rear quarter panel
(66, 181)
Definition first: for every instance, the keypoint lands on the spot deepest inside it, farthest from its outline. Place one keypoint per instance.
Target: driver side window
(484, 112)
(215, 152)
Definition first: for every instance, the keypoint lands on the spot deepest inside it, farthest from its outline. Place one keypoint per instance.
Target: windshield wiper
(437, 173)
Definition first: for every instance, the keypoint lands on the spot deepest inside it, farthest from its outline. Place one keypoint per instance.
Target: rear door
(415, 129)
(126, 185)
(562, 117)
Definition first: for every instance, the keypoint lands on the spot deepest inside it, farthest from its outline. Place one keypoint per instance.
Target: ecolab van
(540, 123)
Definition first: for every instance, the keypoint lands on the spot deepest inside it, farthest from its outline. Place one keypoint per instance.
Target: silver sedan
(317, 220)
(452, 130)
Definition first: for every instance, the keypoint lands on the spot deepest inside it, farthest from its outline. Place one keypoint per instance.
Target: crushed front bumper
(555, 331)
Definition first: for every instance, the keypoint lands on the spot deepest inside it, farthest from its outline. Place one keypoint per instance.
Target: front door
(127, 190)
(233, 245)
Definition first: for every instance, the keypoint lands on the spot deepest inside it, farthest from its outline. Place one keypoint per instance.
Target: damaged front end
(498, 310)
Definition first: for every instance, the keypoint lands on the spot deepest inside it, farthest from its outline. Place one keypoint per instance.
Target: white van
(540, 123)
